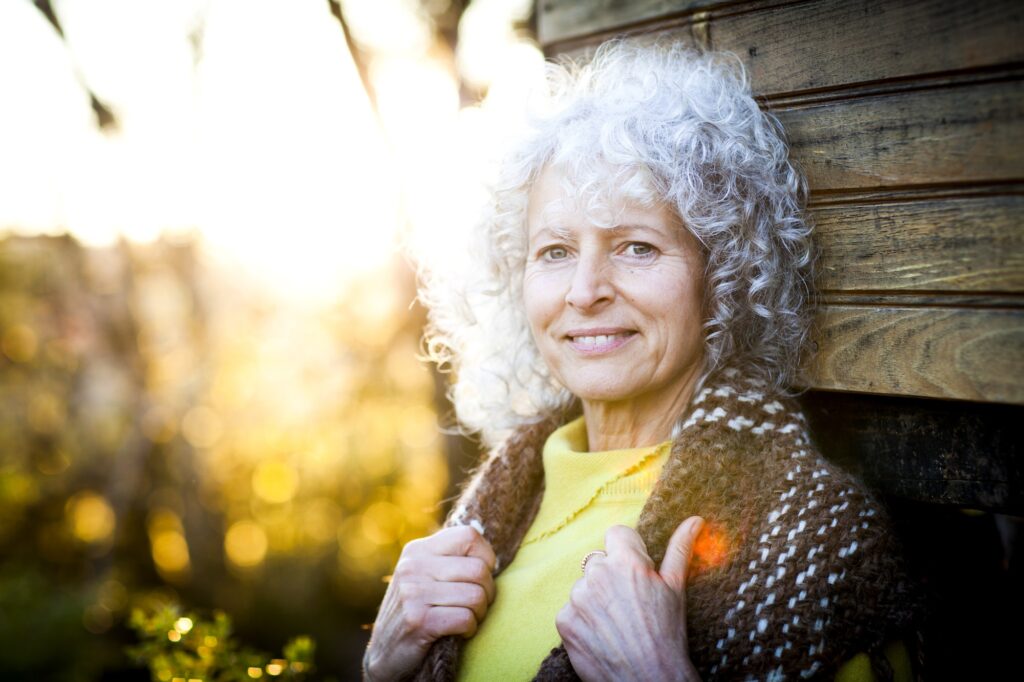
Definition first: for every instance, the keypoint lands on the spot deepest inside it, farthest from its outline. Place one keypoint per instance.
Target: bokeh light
(275, 481)
(210, 384)
(19, 343)
(168, 545)
(91, 517)
(246, 544)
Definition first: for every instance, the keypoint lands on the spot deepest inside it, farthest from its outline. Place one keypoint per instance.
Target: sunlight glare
(46, 125)
(265, 141)
(296, 183)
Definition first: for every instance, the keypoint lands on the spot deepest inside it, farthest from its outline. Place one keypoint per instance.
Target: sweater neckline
(580, 476)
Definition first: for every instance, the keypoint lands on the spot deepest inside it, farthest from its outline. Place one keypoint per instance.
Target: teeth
(599, 340)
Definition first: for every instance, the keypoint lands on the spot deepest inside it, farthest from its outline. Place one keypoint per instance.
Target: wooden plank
(583, 51)
(562, 19)
(817, 45)
(968, 133)
(937, 451)
(920, 299)
(963, 353)
(956, 245)
(951, 135)
(793, 47)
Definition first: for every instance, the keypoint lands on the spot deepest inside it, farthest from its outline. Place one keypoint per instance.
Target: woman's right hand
(441, 586)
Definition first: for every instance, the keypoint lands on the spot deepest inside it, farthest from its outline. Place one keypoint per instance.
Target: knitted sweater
(811, 574)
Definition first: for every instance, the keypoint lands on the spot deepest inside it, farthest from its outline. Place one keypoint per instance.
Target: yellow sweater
(596, 490)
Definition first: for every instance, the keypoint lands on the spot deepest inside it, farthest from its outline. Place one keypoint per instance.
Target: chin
(600, 392)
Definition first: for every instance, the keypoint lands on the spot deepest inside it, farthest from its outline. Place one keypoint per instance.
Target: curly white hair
(645, 124)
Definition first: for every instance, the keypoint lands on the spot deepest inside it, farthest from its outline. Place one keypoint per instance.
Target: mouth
(595, 341)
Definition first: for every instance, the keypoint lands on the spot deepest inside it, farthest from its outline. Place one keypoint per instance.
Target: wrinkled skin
(442, 585)
(626, 620)
(615, 312)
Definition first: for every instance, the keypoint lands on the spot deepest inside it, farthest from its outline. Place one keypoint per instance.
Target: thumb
(677, 554)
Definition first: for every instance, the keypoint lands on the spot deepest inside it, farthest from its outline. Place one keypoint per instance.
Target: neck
(639, 421)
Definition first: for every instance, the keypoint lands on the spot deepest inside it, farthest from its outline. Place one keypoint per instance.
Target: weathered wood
(919, 299)
(939, 451)
(583, 51)
(904, 194)
(839, 42)
(969, 133)
(562, 19)
(962, 353)
(956, 245)
(908, 118)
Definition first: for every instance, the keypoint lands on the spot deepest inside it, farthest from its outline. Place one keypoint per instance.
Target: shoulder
(823, 524)
(815, 574)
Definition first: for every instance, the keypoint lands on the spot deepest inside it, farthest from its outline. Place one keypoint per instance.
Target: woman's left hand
(625, 620)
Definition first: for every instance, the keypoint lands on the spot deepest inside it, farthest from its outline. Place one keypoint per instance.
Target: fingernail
(696, 526)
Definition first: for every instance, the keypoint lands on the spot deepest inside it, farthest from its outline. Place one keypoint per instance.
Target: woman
(640, 312)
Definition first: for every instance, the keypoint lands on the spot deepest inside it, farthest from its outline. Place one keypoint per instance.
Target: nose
(590, 287)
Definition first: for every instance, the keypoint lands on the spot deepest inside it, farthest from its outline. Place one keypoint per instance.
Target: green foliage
(147, 447)
(41, 628)
(189, 647)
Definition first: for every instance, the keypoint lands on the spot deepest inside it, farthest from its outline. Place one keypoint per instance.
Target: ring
(589, 556)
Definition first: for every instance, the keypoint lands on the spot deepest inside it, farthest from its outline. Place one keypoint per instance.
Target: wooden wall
(907, 117)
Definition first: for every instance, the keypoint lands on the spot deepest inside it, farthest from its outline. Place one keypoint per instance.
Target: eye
(639, 249)
(555, 253)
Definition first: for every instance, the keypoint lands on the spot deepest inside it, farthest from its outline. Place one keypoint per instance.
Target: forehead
(604, 197)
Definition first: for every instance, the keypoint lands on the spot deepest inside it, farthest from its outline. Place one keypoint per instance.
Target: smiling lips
(596, 341)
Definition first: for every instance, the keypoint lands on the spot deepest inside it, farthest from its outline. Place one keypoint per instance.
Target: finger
(466, 541)
(591, 559)
(678, 553)
(622, 542)
(461, 569)
(578, 595)
(467, 595)
(442, 570)
(449, 620)
(564, 621)
(457, 541)
(568, 620)
(446, 569)
(481, 549)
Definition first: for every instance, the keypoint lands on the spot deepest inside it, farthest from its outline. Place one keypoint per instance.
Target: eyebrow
(546, 230)
(643, 227)
(625, 227)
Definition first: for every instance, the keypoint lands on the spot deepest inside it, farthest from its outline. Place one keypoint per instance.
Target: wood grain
(965, 134)
(840, 42)
(562, 19)
(969, 354)
(940, 245)
(876, 96)
(582, 52)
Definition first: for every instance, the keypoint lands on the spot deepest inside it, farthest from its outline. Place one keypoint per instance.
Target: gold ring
(589, 556)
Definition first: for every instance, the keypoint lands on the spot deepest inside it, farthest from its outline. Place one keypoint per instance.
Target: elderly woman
(639, 314)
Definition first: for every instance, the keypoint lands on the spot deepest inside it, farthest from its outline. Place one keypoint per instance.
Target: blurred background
(211, 400)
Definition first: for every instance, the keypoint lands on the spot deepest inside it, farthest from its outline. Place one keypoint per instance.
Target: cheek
(690, 318)
(539, 301)
(682, 312)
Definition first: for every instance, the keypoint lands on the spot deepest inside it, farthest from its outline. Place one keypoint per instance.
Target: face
(615, 311)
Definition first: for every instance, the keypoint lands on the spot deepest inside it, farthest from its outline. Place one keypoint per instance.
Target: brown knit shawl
(811, 576)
